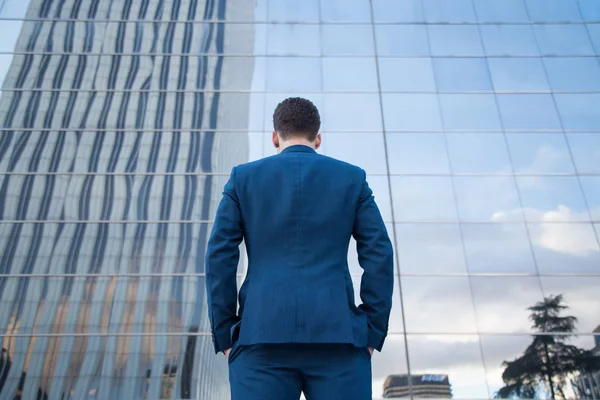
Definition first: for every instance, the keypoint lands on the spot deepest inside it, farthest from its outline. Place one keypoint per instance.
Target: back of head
(297, 118)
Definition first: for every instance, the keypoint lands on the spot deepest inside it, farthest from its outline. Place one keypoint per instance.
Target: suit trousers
(284, 371)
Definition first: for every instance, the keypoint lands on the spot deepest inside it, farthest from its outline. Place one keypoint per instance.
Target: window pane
(363, 149)
(290, 10)
(455, 40)
(501, 10)
(10, 34)
(508, 40)
(257, 120)
(498, 248)
(501, 302)
(257, 143)
(487, 199)
(553, 10)
(445, 11)
(579, 111)
(436, 314)
(430, 248)
(590, 10)
(469, 111)
(414, 42)
(423, 198)
(459, 359)
(411, 112)
(591, 190)
(417, 153)
(406, 74)
(576, 73)
(293, 39)
(339, 73)
(518, 74)
(397, 11)
(539, 153)
(462, 74)
(293, 73)
(347, 39)
(258, 32)
(552, 198)
(17, 9)
(351, 112)
(585, 148)
(528, 111)
(594, 32)
(563, 39)
(6, 61)
(478, 153)
(580, 295)
(345, 10)
(565, 248)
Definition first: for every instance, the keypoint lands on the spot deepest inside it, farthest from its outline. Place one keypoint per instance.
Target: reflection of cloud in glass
(423, 198)
(497, 248)
(431, 304)
(570, 239)
(430, 248)
(480, 198)
(549, 233)
(501, 302)
(552, 193)
(539, 153)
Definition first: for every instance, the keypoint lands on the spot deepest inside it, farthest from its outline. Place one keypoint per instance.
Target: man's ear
(318, 141)
(275, 140)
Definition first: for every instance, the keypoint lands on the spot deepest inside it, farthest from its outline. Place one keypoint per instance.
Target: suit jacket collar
(298, 148)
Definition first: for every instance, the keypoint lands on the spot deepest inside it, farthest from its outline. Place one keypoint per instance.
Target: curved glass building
(477, 122)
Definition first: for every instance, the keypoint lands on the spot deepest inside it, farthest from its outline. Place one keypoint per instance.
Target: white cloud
(548, 232)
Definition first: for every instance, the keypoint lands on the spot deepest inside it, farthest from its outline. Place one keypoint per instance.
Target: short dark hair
(297, 117)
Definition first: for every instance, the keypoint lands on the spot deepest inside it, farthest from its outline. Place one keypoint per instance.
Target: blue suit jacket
(296, 212)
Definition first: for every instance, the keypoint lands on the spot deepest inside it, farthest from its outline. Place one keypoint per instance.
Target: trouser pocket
(235, 351)
(367, 352)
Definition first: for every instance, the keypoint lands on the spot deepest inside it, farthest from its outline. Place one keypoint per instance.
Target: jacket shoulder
(252, 165)
(332, 163)
(345, 167)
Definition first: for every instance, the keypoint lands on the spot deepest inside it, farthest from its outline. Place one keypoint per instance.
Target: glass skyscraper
(477, 121)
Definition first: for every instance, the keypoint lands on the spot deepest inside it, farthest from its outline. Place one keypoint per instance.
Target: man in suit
(298, 328)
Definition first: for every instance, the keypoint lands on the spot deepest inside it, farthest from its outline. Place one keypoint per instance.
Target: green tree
(549, 360)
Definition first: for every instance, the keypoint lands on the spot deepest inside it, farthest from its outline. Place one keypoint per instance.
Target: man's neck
(296, 142)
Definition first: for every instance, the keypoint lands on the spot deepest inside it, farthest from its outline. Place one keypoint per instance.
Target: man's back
(296, 212)
(299, 210)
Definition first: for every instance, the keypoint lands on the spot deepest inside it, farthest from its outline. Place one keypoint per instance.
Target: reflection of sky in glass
(454, 207)
(539, 153)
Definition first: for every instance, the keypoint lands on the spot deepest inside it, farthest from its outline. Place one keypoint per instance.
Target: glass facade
(477, 122)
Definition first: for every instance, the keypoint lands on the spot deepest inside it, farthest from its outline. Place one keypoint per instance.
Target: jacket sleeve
(376, 257)
(221, 261)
